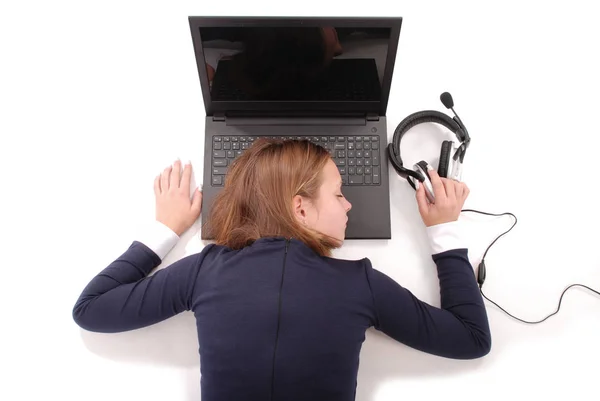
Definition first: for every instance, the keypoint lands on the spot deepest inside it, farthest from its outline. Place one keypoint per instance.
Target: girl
(277, 317)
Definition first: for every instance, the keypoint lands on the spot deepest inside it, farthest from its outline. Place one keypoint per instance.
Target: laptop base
(369, 217)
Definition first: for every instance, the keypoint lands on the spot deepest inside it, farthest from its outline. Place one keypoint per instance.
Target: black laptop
(326, 80)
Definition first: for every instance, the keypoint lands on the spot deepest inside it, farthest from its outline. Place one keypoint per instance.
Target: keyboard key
(355, 179)
(220, 163)
(217, 145)
(376, 159)
(219, 170)
(368, 179)
(218, 153)
(217, 180)
(376, 177)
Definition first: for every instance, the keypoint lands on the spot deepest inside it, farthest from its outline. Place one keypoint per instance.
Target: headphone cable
(481, 270)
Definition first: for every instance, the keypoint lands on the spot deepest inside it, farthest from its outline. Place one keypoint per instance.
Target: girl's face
(328, 213)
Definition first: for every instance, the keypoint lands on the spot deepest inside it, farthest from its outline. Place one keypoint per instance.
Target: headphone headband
(427, 116)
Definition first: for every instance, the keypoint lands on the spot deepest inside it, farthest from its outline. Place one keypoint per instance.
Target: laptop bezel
(212, 108)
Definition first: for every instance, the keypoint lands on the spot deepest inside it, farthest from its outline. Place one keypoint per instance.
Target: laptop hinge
(220, 116)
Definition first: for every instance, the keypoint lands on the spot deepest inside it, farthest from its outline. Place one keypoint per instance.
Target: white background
(96, 98)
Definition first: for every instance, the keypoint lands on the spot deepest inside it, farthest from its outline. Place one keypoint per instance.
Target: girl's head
(286, 188)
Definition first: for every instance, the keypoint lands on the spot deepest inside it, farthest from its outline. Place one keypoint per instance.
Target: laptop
(326, 80)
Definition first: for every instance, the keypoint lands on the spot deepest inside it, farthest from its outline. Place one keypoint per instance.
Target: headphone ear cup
(423, 165)
(445, 158)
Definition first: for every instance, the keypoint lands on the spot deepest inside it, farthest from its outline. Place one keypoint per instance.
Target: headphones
(450, 166)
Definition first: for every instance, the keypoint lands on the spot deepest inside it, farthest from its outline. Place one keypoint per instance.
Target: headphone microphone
(446, 99)
(448, 102)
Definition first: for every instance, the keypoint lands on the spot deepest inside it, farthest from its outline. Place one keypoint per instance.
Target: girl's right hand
(174, 208)
(450, 196)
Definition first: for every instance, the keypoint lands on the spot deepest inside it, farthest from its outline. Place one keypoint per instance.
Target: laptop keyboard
(358, 158)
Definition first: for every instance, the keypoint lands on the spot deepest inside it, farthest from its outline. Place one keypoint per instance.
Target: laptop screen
(296, 67)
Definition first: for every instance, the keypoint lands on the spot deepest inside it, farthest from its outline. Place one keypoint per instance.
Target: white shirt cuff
(158, 237)
(446, 236)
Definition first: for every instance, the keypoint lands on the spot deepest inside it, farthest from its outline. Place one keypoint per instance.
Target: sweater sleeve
(123, 297)
(459, 329)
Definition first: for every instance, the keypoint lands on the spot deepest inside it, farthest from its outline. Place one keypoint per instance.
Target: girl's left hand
(173, 205)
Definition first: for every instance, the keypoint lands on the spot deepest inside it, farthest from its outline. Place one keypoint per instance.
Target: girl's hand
(449, 195)
(173, 205)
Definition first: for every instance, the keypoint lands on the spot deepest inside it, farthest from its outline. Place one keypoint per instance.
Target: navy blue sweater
(276, 321)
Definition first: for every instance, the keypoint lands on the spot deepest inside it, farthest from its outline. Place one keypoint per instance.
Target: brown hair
(260, 184)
